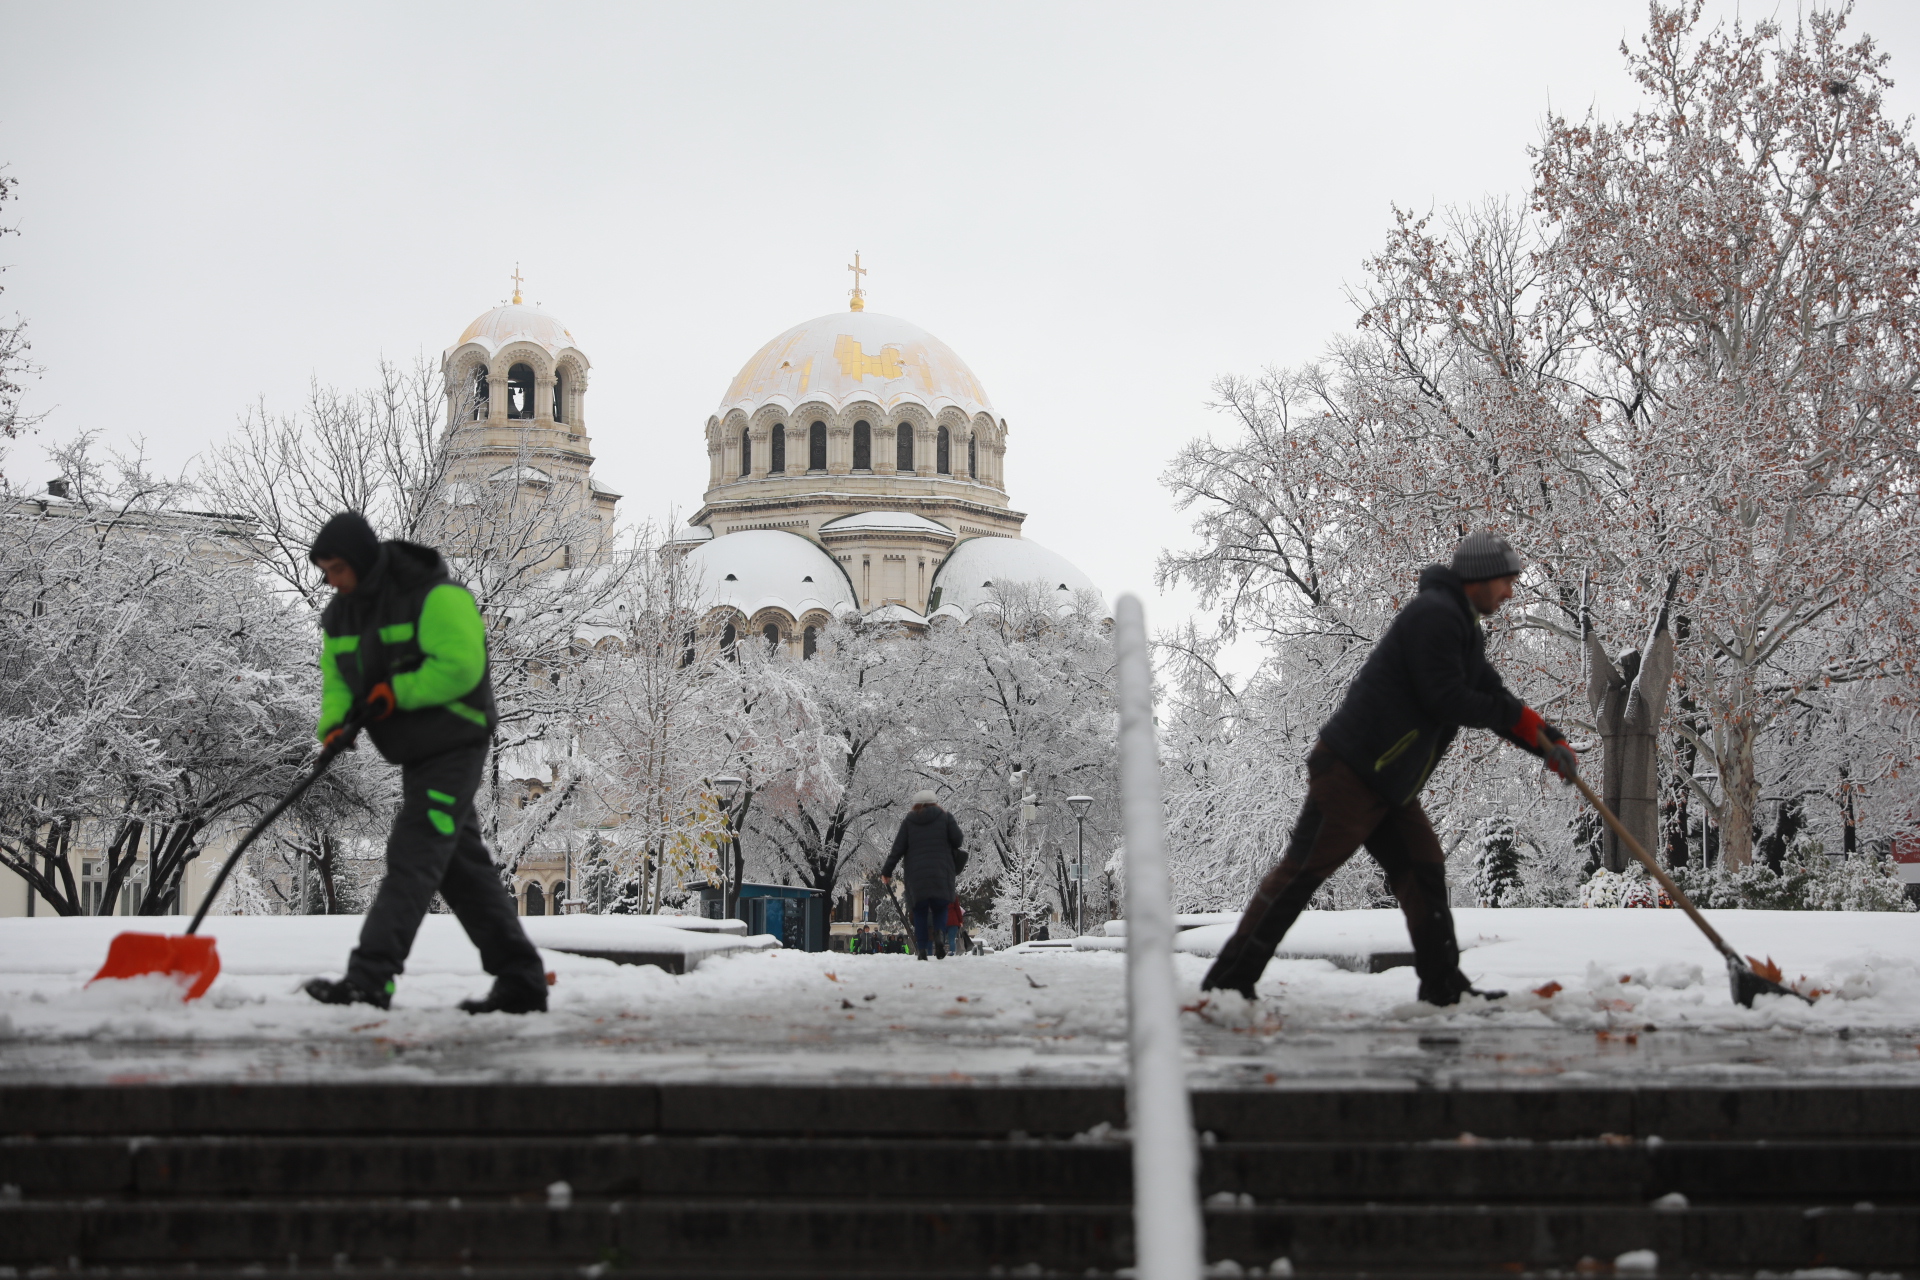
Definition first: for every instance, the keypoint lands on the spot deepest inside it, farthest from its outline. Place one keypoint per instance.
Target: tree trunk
(1741, 791)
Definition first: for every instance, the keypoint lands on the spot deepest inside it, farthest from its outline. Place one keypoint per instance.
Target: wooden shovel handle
(1656, 871)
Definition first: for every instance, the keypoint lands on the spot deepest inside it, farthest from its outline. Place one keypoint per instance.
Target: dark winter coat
(410, 625)
(931, 843)
(1426, 678)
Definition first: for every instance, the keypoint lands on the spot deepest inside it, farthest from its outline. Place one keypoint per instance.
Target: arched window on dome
(746, 452)
(809, 642)
(973, 459)
(536, 904)
(520, 391)
(481, 394)
(559, 892)
(559, 396)
(772, 632)
(863, 446)
(903, 450)
(777, 459)
(817, 447)
(943, 454)
(728, 636)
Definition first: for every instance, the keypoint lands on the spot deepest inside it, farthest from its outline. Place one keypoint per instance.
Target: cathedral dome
(856, 355)
(517, 322)
(968, 577)
(761, 569)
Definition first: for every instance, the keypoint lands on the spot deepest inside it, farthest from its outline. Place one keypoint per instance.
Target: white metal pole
(1169, 1240)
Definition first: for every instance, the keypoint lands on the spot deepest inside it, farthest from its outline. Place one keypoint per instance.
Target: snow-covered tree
(154, 691)
(1687, 366)
(1023, 688)
(15, 365)
(653, 735)
(868, 684)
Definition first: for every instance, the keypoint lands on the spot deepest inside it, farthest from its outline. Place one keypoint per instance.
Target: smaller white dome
(968, 576)
(517, 322)
(768, 568)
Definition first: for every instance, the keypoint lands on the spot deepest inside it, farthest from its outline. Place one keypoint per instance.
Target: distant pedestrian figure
(930, 843)
(956, 936)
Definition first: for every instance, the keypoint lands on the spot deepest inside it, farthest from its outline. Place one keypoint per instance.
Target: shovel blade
(1747, 984)
(189, 959)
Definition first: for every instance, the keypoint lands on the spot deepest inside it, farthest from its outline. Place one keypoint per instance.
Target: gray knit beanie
(1484, 554)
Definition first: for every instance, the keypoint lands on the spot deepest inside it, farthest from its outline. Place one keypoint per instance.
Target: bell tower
(516, 388)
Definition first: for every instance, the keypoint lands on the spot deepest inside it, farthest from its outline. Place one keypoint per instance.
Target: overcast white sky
(1101, 207)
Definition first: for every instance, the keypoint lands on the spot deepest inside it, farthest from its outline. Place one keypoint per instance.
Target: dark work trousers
(929, 923)
(435, 844)
(1341, 814)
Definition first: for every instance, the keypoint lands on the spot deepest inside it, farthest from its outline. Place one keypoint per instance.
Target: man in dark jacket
(1426, 678)
(930, 842)
(404, 645)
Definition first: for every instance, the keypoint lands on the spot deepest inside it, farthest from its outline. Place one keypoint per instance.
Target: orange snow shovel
(189, 958)
(1746, 983)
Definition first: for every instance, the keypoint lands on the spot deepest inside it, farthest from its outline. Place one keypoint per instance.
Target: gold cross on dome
(517, 282)
(859, 295)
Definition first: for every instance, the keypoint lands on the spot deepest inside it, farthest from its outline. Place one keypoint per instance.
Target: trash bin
(798, 917)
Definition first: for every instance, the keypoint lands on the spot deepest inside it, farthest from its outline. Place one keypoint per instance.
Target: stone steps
(1053, 1170)
(864, 1237)
(956, 1180)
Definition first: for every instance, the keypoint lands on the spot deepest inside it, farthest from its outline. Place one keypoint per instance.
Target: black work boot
(1238, 967)
(346, 991)
(1448, 990)
(509, 997)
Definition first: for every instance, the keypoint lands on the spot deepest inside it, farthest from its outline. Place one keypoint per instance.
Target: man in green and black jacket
(1425, 680)
(404, 644)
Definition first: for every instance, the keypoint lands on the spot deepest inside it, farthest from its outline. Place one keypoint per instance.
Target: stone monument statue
(1627, 702)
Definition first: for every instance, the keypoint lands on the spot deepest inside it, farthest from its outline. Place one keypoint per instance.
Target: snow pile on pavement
(1623, 995)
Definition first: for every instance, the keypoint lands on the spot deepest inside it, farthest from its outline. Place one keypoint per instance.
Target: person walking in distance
(930, 843)
(1426, 679)
(404, 645)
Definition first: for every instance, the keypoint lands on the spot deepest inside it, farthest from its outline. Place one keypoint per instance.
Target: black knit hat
(1484, 554)
(348, 537)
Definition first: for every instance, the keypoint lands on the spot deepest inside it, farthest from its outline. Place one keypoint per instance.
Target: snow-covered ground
(1640, 996)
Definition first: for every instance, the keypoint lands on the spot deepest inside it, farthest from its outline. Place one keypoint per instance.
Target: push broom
(1746, 983)
(190, 959)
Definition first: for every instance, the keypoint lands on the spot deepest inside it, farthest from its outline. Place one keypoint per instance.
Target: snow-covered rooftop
(769, 568)
(968, 576)
(886, 522)
(896, 613)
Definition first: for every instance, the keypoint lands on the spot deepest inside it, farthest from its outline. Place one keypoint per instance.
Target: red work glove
(380, 703)
(1531, 729)
(1527, 728)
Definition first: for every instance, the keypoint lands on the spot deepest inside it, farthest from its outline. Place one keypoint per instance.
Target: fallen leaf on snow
(1765, 968)
(1549, 991)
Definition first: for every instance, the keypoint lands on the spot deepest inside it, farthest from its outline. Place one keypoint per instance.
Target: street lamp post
(729, 789)
(1080, 805)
